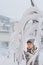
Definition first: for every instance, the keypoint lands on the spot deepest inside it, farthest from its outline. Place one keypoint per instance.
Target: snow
(7, 61)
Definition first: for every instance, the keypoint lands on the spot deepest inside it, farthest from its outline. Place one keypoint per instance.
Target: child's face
(29, 45)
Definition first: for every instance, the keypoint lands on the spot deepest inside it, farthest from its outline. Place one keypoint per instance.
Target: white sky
(15, 8)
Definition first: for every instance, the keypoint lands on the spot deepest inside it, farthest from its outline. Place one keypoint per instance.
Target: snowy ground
(9, 61)
(4, 60)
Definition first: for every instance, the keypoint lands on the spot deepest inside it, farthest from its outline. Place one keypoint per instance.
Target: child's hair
(29, 41)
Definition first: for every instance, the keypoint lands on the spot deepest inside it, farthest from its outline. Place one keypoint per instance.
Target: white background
(15, 8)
